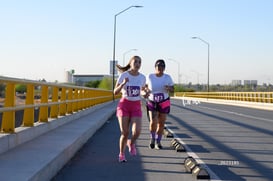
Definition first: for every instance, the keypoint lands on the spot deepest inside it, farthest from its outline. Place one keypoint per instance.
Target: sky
(44, 39)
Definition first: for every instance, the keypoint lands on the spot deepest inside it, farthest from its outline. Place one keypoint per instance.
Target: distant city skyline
(44, 39)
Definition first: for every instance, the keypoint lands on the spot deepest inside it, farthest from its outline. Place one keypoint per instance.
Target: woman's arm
(118, 86)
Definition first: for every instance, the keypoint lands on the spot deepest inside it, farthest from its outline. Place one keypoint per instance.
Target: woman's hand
(145, 92)
(125, 81)
(169, 88)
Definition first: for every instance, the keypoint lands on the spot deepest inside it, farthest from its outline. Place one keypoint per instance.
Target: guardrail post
(80, 103)
(252, 97)
(85, 96)
(256, 95)
(28, 119)
(8, 121)
(63, 105)
(86, 101)
(54, 108)
(91, 101)
(263, 97)
(69, 104)
(75, 104)
(43, 114)
(247, 96)
(226, 95)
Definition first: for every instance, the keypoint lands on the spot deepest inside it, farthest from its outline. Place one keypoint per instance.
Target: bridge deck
(43, 157)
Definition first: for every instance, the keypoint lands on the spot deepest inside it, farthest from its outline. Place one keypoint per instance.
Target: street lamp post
(208, 56)
(126, 53)
(178, 69)
(114, 47)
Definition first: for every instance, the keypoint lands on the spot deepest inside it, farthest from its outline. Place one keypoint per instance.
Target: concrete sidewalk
(98, 159)
(41, 158)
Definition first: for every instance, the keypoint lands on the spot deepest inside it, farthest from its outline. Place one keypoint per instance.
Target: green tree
(93, 84)
(106, 83)
(20, 88)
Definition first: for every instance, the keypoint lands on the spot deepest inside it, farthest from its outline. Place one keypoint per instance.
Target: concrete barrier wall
(24, 134)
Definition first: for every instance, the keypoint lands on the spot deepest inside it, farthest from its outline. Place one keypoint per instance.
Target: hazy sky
(44, 38)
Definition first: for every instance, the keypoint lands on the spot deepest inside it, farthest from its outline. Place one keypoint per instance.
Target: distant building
(250, 82)
(236, 82)
(83, 79)
(69, 76)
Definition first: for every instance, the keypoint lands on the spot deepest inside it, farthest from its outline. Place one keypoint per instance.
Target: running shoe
(152, 143)
(121, 158)
(158, 146)
(132, 148)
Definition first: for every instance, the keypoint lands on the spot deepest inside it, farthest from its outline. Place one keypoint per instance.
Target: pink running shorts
(129, 108)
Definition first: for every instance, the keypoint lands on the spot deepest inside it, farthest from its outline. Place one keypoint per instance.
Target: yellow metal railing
(263, 97)
(51, 100)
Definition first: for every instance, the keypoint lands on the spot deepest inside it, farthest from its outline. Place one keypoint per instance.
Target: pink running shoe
(121, 158)
(132, 148)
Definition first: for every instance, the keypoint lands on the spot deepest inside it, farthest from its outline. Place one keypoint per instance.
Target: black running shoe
(152, 144)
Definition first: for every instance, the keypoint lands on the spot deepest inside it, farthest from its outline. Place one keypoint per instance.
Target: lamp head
(138, 6)
(194, 37)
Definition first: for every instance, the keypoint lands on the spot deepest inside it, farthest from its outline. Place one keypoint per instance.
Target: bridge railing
(50, 99)
(261, 97)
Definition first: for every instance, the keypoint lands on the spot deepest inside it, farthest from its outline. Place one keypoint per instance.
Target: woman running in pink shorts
(131, 84)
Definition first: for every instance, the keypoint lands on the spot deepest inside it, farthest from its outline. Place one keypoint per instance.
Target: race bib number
(133, 91)
(158, 97)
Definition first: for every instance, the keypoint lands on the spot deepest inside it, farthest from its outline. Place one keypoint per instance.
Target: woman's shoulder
(151, 75)
(124, 73)
(141, 74)
(167, 75)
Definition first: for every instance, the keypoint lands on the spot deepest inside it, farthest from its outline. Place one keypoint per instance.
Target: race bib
(158, 97)
(133, 91)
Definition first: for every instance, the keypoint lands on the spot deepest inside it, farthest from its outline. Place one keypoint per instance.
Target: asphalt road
(235, 143)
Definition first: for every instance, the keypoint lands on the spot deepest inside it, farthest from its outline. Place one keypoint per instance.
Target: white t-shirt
(157, 86)
(132, 89)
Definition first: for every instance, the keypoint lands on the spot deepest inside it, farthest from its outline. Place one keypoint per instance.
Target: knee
(136, 132)
(125, 134)
(153, 123)
(161, 124)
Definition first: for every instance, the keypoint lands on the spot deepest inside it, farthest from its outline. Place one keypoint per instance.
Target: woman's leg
(161, 123)
(153, 120)
(124, 133)
(160, 129)
(136, 129)
(153, 127)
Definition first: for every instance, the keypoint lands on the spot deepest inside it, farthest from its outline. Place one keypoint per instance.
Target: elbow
(115, 92)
